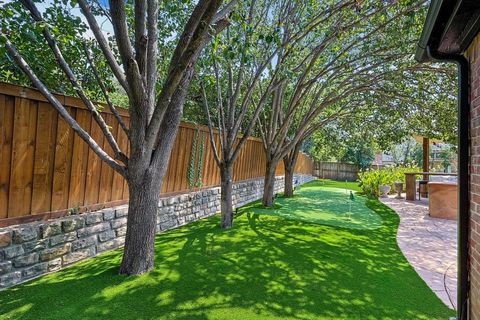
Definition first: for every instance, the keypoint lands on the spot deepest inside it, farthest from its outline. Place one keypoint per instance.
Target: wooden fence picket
(46, 169)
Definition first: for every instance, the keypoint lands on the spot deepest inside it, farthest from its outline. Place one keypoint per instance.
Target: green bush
(370, 180)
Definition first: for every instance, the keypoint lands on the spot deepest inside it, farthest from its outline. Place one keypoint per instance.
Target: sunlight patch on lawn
(324, 205)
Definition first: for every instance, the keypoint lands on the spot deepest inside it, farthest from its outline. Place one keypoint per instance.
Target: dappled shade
(265, 267)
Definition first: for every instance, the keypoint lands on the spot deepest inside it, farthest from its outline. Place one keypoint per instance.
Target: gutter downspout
(463, 177)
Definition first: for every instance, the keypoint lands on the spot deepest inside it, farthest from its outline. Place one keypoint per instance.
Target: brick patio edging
(33, 249)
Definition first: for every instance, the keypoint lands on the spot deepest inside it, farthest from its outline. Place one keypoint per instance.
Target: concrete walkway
(430, 245)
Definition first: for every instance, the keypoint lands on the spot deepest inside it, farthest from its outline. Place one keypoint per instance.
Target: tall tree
(354, 51)
(243, 70)
(392, 112)
(334, 113)
(155, 97)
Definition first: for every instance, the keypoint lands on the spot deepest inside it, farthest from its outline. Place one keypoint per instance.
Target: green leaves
(269, 38)
(371, 180)
(68, 31)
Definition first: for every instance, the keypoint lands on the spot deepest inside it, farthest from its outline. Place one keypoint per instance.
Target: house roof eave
(421, 54)
(449, 28)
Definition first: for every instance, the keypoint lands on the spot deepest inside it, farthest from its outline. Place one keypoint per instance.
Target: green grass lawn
(327, 203)
(288, 266)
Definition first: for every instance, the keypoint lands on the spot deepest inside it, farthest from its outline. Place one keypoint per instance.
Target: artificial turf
(323, 204)
(265, 267)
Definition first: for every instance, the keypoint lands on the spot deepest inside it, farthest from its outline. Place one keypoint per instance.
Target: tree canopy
(341, 70)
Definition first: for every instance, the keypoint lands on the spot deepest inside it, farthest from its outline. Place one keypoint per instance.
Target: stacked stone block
(32, 249)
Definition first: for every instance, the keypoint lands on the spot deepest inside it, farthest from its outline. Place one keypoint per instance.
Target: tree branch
(152, 52)
(188, 48)
(141, 39)
(103, 43)
(104, 90)
(73, 80)
(132, 70)
(12, 51)
(210, 126)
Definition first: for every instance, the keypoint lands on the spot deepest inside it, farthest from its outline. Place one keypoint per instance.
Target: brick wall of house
(473, 54)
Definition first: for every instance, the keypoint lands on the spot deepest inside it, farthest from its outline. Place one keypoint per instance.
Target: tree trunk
(226, 174)
(288, 191)
(289, 162)
(145, 177)
(269, 184)
(139, 253)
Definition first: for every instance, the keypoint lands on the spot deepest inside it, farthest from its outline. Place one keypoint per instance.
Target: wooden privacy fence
(46, 169)
(336, 170)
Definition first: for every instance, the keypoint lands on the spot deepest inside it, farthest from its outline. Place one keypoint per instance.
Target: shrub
(370, 180)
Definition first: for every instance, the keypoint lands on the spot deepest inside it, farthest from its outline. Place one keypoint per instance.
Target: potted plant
(385, 183)
(399, 189)
(384, 190)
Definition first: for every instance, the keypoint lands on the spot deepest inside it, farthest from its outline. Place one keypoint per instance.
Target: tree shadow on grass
(265, 267)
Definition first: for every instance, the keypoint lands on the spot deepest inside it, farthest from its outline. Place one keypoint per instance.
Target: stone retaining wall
(33, 249)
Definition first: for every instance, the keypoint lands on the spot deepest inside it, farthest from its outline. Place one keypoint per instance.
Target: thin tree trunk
(139, 254)
(289, 162)
(288, 191)
(226, 174)
(269, 184)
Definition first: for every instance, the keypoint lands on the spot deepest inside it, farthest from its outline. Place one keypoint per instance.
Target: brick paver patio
(430, 245)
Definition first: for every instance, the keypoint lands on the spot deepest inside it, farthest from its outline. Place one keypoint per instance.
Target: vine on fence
(194, 172)
(199, 182)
